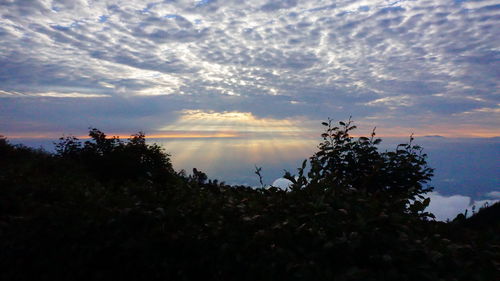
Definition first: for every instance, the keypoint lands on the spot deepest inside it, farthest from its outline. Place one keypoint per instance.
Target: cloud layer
(414, 64)
(443, 207)
(448, 207)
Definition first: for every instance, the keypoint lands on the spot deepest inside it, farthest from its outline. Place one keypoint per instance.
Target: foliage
(111, 159)
(344, 164)
(109, 209)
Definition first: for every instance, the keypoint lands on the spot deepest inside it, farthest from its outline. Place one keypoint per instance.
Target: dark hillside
(108, 209)
(488, 217)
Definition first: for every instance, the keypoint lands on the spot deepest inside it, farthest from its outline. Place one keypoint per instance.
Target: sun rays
(230, 121)
(230, 136)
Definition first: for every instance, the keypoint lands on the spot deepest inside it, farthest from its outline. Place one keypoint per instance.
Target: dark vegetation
(108, 209)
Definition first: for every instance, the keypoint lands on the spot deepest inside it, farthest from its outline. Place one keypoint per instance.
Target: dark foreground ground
(109, 210)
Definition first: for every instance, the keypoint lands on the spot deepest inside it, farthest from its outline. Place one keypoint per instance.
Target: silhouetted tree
(118, 161)
(68, 146)
(345, 164)
(199, 177)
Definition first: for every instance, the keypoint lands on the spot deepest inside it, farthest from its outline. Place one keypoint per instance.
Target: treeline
(108, 209)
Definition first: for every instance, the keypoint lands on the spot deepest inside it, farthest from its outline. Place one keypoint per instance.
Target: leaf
(426, 202)
(343, 211)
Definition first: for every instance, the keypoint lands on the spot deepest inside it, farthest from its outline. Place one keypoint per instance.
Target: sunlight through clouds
(232, 136)
(228, 157)
(241, 123)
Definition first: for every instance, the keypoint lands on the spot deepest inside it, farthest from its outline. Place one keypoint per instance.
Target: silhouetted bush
(108, 209)
(110, 159)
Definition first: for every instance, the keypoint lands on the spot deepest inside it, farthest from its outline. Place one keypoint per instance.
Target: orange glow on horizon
(444, 131)
(198, 124)
(189, 135)
(177, 135)
(382, 133)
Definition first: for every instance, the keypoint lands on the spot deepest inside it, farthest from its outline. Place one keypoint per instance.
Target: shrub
(108, 209)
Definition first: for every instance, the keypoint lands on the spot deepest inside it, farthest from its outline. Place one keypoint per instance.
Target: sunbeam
(230, 137)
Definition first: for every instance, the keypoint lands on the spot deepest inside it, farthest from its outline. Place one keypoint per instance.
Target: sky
(257, 75)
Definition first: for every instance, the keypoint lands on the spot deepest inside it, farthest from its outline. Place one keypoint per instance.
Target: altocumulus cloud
(416, 64)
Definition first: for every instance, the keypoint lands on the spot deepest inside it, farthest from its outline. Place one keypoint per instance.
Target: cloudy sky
(252, 80)
(428, 67)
